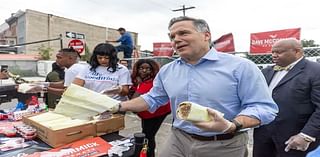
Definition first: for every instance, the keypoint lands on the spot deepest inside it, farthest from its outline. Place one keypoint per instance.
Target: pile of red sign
(26, 131)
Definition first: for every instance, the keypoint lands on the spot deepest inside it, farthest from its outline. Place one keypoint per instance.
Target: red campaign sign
(225, 43)
(261, 43)
(162, 49)
(92, 147)
(77, 45)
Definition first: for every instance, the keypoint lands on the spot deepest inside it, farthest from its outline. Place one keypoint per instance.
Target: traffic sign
(70, 35)
(77, 45)
(80, 36)
(75, 35)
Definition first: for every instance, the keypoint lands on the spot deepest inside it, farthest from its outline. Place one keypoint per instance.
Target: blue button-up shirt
(227, 83)
(126, 39)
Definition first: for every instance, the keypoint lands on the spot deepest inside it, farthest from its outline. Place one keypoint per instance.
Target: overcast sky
(149, 18)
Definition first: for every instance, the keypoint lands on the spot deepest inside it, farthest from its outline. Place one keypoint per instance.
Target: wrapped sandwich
(190, 111)
(30, 88)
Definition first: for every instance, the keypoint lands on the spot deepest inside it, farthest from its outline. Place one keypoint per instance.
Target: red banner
(92, 147)
(225, 43)
(261, 43)
(162, 49)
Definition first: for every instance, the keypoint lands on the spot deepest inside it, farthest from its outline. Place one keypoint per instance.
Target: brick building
(31, 26)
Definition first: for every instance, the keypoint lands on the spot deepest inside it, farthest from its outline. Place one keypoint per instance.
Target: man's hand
(35, 89)
(217, 124)
(297, 142)
(44, 85)
(107, 41)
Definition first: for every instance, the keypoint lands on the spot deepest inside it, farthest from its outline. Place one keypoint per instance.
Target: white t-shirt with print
(102, 79)
(72, 72)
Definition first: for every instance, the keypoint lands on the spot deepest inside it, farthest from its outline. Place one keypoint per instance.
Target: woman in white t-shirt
(105, 75)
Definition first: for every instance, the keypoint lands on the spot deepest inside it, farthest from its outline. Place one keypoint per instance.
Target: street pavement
(133, 125)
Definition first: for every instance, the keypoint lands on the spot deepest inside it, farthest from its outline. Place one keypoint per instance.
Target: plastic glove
(45, 85)
(113, 91)
(114, 109)
(217, 124)
(297, 142)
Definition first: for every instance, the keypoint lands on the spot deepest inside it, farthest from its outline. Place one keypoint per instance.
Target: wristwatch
(119, 107)
(237, 124)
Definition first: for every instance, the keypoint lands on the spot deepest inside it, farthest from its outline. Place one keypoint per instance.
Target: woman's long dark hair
(104, 49)
(154, 69)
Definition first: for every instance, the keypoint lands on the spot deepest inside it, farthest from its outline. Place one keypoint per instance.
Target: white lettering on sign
(222, 44)
(265, 42)
(77, 44)
(75, 35)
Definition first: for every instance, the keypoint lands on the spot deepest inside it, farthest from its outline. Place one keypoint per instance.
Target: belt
(219, 137)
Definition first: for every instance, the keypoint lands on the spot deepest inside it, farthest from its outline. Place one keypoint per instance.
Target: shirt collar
(294, 63)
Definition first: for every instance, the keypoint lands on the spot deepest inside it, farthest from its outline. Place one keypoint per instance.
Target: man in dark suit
(295, 86)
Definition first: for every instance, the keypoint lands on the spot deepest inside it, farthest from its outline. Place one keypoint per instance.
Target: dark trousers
(269, 144)
(127, 52)
(150, 127)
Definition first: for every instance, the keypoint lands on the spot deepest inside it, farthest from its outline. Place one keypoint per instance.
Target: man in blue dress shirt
(220, 81)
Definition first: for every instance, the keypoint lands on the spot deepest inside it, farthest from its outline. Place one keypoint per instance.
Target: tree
(308, 43)
(45, 52)
(87, 54)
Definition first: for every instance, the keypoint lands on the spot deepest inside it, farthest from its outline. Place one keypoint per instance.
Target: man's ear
(207, 36)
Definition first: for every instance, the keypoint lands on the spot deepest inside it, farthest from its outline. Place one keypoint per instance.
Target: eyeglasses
(144, 68)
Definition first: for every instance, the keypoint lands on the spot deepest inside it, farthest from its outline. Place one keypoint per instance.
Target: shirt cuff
(307, 137)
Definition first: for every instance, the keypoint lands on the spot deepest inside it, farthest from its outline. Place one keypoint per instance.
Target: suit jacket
(298, 98)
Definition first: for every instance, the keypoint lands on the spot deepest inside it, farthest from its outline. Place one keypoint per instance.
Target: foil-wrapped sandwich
(30, 88)
(190, 111)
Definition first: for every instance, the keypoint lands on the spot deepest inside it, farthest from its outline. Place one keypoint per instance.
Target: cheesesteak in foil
(190, 111)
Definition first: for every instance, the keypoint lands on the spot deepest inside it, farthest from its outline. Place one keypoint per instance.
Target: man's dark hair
(200, 24)
(70, 51)
(121, 29)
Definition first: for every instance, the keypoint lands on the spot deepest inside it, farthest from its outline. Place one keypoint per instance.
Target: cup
(139, 139)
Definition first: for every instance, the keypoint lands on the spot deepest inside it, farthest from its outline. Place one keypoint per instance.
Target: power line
(183, 9)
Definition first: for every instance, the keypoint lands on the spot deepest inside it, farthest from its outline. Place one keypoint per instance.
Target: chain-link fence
(266, 59)
(312, 53)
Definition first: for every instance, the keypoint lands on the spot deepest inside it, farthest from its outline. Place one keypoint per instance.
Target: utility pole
(183, 9)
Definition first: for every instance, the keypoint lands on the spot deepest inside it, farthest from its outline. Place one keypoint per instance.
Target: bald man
(294, 83)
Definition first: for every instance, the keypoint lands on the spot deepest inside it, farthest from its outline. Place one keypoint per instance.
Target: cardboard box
(115, 123)
(56, 138)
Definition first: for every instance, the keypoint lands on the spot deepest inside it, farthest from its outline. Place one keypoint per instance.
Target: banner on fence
(261, 43)
(225, 43)
(162, 49)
